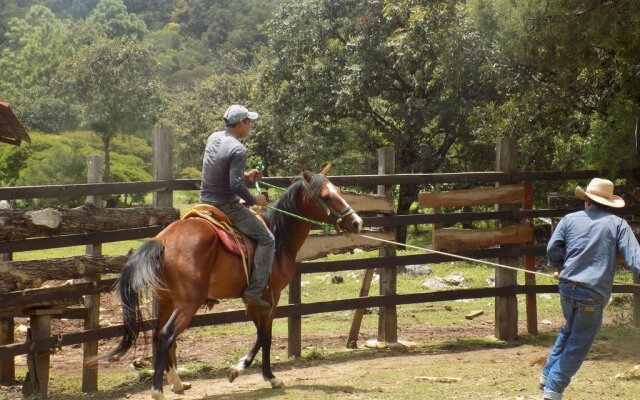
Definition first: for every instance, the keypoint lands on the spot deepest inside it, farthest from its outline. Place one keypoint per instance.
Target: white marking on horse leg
(276, 383)
(177, 386)
(157, 395)
(236, 371)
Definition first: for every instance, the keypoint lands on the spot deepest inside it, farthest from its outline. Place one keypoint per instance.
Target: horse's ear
(326, 169)
(307, 176)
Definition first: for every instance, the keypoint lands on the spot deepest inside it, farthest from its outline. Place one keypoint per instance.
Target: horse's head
(327, 203)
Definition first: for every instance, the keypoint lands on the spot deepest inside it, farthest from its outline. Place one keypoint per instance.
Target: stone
(418, 270)
(455, 279)
(434, 284)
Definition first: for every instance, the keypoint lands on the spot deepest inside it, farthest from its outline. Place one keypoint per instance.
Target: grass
(488, 375)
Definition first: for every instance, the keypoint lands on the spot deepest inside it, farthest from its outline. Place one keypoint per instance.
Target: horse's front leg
(265, 336)
(246, 361)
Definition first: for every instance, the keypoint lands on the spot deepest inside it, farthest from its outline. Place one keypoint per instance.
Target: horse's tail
(143, 271)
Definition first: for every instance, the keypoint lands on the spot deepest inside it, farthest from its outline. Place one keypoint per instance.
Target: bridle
(339, 216)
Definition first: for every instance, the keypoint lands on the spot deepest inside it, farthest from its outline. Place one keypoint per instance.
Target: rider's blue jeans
(582, 311)
(246, 222)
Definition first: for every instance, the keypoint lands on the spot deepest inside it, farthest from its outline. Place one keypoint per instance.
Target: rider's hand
(261, 201)
(252, 176)
(556, 275)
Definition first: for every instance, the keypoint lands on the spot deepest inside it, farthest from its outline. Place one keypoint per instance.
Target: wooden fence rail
(30, 297)
(99, 189)
(373, 222)
(285, 311)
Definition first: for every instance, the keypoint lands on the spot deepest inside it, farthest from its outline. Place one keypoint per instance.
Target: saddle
(232, 240)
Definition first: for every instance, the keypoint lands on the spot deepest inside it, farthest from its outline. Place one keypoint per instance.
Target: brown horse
(186, 265)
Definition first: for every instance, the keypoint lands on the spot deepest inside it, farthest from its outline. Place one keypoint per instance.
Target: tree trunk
(21, 224)
(18, 275)
(408, 194)
(106, 141)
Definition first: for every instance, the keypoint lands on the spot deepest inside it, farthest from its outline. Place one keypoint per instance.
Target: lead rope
(474, 260)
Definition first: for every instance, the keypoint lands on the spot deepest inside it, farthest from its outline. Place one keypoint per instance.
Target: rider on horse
(224, 182)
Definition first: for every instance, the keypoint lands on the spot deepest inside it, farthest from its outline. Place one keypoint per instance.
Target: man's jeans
(246, 222)
(582, 311)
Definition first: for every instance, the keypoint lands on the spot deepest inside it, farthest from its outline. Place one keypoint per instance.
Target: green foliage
(198, 114)
(225, 25)
(409, 72)
(182, 61)
(610, 144)
(114, 85)
(34, 46)
(112, 18)
(62, 159)
(333, 80)
(569, 73)
(41, 108)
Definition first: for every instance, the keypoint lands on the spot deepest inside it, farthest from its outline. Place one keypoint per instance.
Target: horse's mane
(278, 222)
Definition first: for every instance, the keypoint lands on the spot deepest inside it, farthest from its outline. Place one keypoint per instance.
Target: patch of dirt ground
(484, 370)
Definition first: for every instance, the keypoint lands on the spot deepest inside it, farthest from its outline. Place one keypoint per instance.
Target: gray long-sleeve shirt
(584, 245)
(223, 171)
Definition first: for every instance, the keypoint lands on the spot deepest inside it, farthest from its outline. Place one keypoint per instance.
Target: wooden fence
(32, 302)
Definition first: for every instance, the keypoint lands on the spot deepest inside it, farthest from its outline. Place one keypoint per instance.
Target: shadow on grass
(269, 393)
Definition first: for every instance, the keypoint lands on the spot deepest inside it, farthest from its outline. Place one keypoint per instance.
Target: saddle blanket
(233, 240)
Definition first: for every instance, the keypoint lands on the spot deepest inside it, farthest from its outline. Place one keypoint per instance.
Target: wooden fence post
(36, 382)
(162, 170)
(506, 308)
(162, 164)
(7, 365)
(92, 302)
(388, 317)
(636, 277)
(356, 322)
(530, 265)
(294, 348)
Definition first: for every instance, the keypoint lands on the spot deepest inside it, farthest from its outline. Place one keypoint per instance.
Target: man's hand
(252, 176)
(261, 201)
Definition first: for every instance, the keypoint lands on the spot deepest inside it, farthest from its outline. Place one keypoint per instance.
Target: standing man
(223, 183)
(583, 250)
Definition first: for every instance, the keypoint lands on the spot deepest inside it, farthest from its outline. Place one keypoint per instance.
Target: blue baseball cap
(237, 113)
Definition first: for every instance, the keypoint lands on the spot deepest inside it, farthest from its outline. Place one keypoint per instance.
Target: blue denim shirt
(584, 245)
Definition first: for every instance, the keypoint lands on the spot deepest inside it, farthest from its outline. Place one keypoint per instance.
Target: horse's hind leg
(177, 386)
(164, 340)
(244, 362)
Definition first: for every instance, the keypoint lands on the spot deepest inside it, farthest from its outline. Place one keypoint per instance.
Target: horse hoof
(276, 383)
(157, 395)
(180, 389)
(232, 374)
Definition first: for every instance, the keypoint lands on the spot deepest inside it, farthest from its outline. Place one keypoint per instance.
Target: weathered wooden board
(463, 239)
(508, 194)
(317, 246)
(20, 224)
(18, 275)
(369, 203)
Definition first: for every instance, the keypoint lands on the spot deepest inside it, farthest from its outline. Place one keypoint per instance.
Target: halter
(339, 216)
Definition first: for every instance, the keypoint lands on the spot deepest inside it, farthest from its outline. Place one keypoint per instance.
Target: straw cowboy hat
(600, 191)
